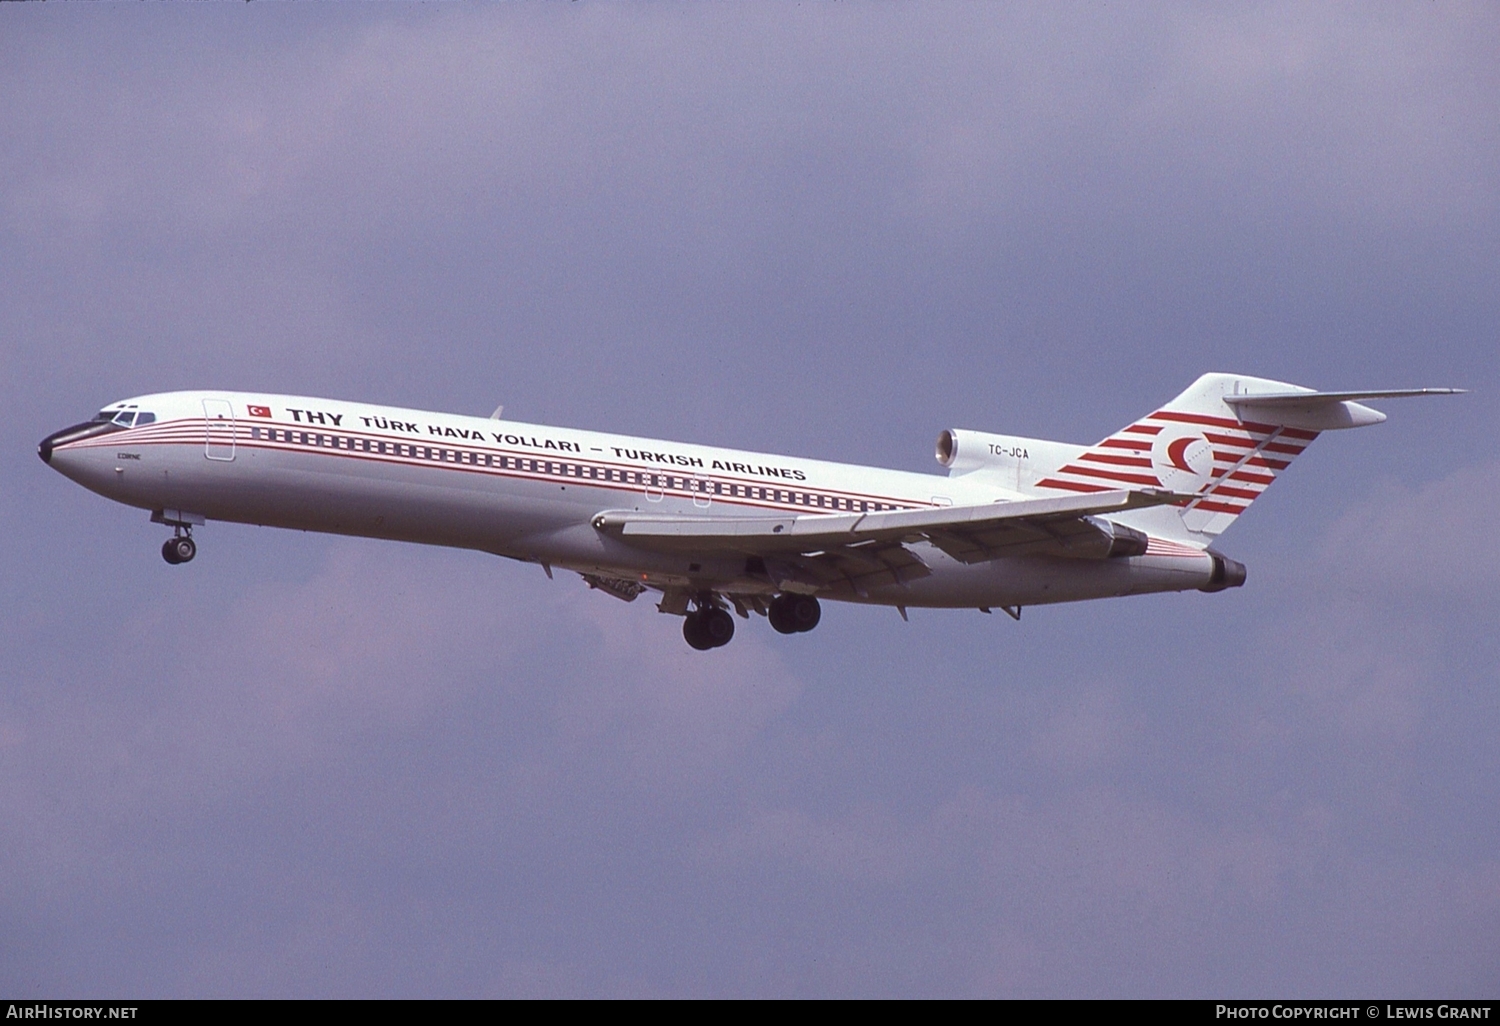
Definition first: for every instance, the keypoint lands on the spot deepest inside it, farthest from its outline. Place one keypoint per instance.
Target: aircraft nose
(77, 432)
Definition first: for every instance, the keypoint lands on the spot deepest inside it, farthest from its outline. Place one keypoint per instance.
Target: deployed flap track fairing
(719, 533)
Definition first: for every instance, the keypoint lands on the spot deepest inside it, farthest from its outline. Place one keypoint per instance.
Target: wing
(813, 550)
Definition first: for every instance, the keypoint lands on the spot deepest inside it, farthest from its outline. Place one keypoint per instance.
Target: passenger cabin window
(132, 417)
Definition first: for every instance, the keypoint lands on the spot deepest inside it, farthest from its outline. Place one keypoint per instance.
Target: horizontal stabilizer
(1322, 411)
(1300, 398)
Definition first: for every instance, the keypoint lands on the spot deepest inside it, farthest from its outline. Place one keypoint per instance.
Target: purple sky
(318, 766)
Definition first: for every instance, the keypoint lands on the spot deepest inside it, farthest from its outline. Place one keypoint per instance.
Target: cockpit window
(127, 417)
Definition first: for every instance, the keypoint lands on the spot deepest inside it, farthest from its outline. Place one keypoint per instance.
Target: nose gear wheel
(179, 550)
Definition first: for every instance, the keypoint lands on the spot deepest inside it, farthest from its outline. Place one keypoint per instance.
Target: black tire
(718, 626)
(169, 551)
(694, 634)
(806, 612)
(184, 549)
(780, 615)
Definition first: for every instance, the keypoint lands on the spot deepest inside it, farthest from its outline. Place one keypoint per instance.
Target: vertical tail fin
(1201, 444)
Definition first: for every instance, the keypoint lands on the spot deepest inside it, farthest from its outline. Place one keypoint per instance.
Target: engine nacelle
(1123, 541)
(1014, 461)
(1227, 573)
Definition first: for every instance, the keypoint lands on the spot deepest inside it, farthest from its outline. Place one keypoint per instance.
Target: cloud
(1396, 579)
(412, 121)
(1432, 538)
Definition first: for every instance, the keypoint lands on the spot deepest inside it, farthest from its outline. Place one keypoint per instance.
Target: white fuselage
(531, 492)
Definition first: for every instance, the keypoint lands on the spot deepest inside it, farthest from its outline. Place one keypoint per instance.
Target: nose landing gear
(180, 548)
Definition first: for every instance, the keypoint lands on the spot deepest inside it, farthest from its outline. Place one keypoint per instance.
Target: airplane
(1016, 522)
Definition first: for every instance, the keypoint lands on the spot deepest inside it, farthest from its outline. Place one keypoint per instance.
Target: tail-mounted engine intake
(1018, 461)
(1227, 573)
(962, 451)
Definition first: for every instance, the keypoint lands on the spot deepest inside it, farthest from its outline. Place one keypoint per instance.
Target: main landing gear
(180, 548)
(708, 627)
(794, 614)
(711, 626)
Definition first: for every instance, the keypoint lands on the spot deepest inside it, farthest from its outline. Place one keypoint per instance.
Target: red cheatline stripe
(1261, 461)
(1157, 547)
(1256, 461)
(1290, 450)
(1110, 475)
(1298, 433)
(1244, 441)
(1199, 418)
(1244, 425)
(1072, 486)
(197, 438)
(115, 441)
(1126, 443)
(1121, 461)
(1225, 491)
(1218, 439)
(1220, 507)
(1245, 475)
(1144, 429)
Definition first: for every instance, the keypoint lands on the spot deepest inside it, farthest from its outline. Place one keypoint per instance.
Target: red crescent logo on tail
(1175, 453)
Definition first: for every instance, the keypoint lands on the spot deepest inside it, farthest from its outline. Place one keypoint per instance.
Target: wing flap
(871, 547)
(1084, 537)
(798, 533)
(862, 566)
